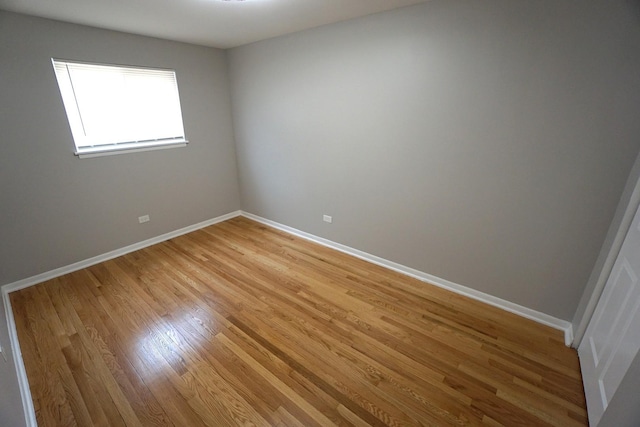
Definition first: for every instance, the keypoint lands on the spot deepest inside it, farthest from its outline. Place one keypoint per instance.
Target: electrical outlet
(4, 355)
(327, 218)
(143, 218)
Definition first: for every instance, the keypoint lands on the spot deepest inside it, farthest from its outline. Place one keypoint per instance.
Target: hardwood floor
(241, 324)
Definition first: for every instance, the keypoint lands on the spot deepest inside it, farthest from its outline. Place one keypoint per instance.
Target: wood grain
(241, 324)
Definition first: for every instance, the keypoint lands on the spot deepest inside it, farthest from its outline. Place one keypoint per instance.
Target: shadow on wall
(634, 7)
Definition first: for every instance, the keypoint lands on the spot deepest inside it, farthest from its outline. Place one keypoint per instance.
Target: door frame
(626, 210)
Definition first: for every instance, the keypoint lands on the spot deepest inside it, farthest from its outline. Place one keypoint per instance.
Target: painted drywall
(56, 209)
(486, 143)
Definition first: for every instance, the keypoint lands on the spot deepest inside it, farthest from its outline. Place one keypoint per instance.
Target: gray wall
(486, 143)
(56, 209)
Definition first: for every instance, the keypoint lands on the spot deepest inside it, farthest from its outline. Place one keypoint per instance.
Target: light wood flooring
(241, 324)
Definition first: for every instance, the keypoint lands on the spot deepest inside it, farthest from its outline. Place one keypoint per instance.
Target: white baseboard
(509, 306)
(39, 278)
(23, 382)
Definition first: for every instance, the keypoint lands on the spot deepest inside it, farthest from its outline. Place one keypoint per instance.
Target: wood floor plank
(242, 324)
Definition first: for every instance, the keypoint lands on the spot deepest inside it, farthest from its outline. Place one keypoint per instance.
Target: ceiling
(216, 23)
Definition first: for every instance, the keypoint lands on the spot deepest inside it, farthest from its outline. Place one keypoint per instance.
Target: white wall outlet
(327, 218)
(143, 218)
(4, 355)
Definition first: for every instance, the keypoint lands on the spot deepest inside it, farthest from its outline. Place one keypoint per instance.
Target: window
(115, 109)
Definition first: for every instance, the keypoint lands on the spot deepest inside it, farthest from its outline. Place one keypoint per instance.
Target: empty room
(316, 213)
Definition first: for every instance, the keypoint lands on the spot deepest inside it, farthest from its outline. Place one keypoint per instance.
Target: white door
(612, 338)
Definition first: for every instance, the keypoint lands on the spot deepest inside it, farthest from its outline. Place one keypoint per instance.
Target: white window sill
(110, 150)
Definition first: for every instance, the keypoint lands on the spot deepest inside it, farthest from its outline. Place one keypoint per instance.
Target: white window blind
(118, 108)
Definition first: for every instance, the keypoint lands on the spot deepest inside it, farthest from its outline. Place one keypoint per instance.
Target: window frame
(73, 115)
